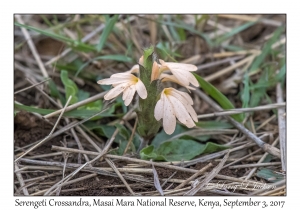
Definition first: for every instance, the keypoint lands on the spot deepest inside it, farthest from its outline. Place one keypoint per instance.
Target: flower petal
(181, 66)
(155, 71)
(179, 109)
(130, 93)
(135, 69)
(182, 72)
(190, 123)
(183, 95)
(125, 93)
(169, 120)
(115, 91)
(187, 101)
(124, 75)
(192, 112)
(110, 81)
(140, 88)
(159, 109)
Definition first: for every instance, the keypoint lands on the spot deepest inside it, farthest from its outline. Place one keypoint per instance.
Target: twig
(216, 63)
(44, 155)
(260, 161)
(255, 165)
(45, 94)
(201, 171)
(112, 165)
(126, 159)
(277, 184)
(208, 177)
(242, 110)
(68, 183)
(156, 181)
(50, 134)
(273, 191)
(282, 127)
(83, 40)
(100, 170)
(32, 47)
(243, 158)
(266, 147)
(40, 177)
(209, 157)
(266, 122)
(66, 128)
(252, 19)
(131, 136)
(78, 104)
(104, 151)
(21, 180)
(229, 69)
(27, 88)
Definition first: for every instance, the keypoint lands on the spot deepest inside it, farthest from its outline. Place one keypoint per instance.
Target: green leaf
(121, 58)
(178, 150)
(121, 138)
(266, 50)
(73, 43)
(70, 87)
(74, 113)
(189, 28)
(269, 175)
(162, 136)
(82, 95)
(218, 96)
(108, 28)
(233, 32)
(55, 93)
(245, 96)
(214, 124)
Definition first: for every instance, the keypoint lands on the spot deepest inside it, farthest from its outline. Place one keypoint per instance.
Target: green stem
(148, 126)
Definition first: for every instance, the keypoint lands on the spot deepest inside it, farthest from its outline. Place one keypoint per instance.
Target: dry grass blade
(243, 158)
(27, 88)
(243, 110)
(131, 136)
(83, 40)
(208, 177)
(156, 181)
(50, 134)
(260, 161)
(216, 63)
(21, 180)
(255, 165)
(32, 47)
(252, 19)
(112, 165)
(282, 126)
(230, 68)
(106, 148)
(275, 185)
(266, 147)
(127, 159)
(194, 176)
(76, 105)
(68, 183)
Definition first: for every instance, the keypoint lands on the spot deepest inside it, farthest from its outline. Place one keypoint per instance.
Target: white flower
(181, 71)
(172, 78)
(126, 83)
(175, 104)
